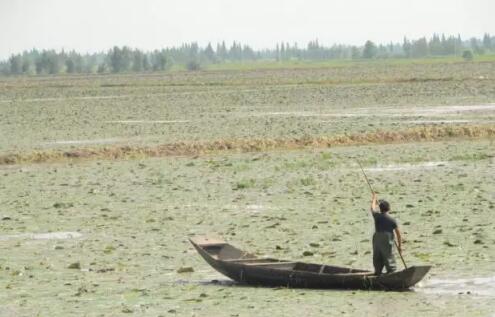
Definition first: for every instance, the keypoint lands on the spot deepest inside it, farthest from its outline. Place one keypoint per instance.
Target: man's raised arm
(373, 204)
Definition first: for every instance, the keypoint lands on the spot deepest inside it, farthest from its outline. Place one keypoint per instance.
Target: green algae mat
(103, 231)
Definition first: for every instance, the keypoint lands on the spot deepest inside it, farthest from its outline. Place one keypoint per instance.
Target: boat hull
(278, 273)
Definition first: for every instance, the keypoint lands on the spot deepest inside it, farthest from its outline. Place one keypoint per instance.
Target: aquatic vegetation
(135, 165)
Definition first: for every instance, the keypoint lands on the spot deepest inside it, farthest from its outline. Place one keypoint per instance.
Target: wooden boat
(249, 269)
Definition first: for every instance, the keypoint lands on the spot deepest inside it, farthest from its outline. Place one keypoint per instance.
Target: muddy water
(474, 286)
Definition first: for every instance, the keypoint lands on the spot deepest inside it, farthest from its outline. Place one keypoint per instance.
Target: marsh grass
(427, 133)
(308, 181)
(244, 184)
(471, 157)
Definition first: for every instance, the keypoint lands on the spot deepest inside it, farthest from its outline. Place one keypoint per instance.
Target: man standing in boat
(383, 238)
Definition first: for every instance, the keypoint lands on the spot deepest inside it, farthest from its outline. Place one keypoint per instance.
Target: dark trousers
(383, 252)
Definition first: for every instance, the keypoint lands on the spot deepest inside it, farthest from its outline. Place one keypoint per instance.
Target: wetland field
(105, 177)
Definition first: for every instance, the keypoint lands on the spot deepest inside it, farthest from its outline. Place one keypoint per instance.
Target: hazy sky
(94, 25)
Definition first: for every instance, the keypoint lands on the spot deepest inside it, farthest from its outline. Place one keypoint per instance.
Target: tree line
(192, 56)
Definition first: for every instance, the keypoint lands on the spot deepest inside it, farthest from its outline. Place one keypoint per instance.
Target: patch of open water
(438, 121)
(147, 121)
(222, 282)
(253, 208)
(94, 141)
(478, 286)
(62, 235)
(404, 167)
(379, 112)
(451, 109)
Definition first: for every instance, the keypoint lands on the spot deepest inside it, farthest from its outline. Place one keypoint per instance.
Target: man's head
(384, 206)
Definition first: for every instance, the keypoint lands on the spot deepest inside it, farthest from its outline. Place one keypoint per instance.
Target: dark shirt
(384, 223)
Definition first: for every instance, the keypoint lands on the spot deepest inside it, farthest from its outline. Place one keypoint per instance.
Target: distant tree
(91, 63)
(235, 51)
(38, 64)
(476, 46)
(126, 58)
(115, 56)
(382, 51)
(54, 62)
(70, 66)
(159, 61)
(296, 52)
(209, 54)
(137, 63)
(391, 49)
(102, 68)
(4, 68)
(370, 50)
(314, 50)
(419, 48)
(487, 41)
(248, 53)
(49, 62)
(120, 59)
(435, 45)
(221, 51)
(450, 45)
(445, 45)
(193, 65)
(146, 63)
(458, 45)
(406, 47)
(79, 63)
(74, 63)
(355, 52)
(26, 65)
(15, 62)
(467, 55)
(283, 55)
(193, 53)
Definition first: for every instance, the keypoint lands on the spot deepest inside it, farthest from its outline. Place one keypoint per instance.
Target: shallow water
(405, 167)
(147, 121)
(386, 111)
(84, 142)
(475, 286)
(443, 121)
(43, 236)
